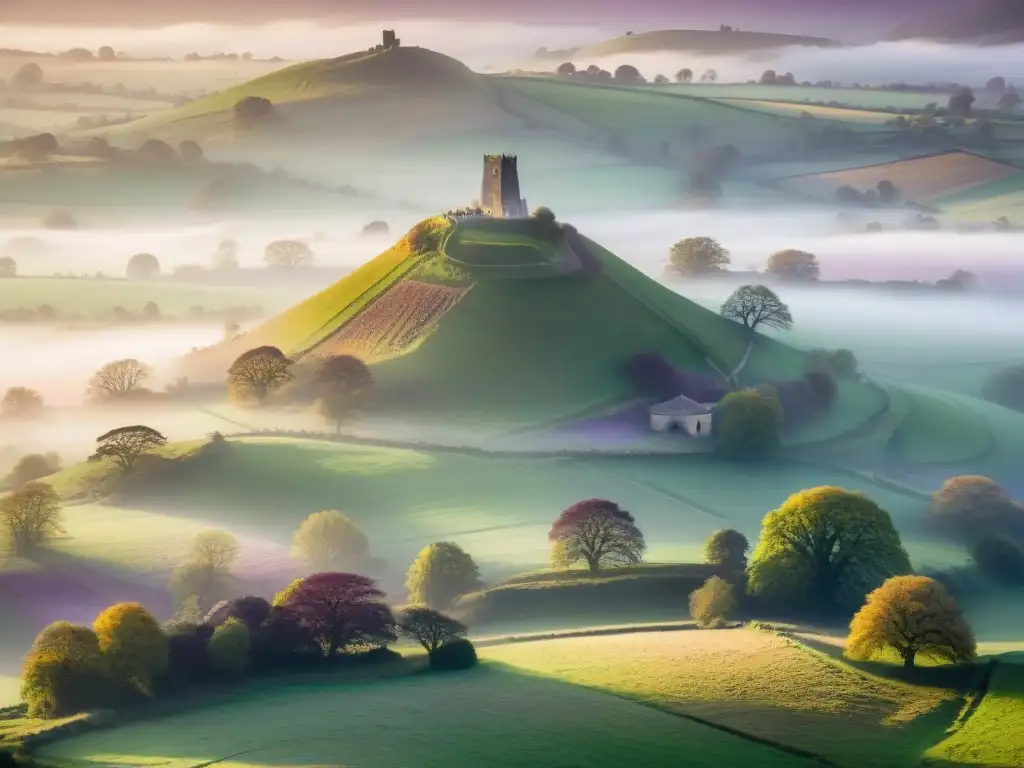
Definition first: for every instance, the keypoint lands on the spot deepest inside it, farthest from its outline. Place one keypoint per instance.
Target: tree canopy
(698, 256)
(259, 371)
(143, 266)
(133, 644)
(21, 403)
(598, 533)
(757, 305)
(430, 628)
(728, 548)
(118, 380)
(329, 541)
(973, 506)
(342, 610)
(441, 572)
(911, 615)
(792, 264)
(747, 425)
(825, 547)
(30, 516)
(126, 444)
(288, 254)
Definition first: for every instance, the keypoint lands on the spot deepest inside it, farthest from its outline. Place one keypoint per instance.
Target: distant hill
(990, 22)
(689, 40)
(518, 336)
(327, 94)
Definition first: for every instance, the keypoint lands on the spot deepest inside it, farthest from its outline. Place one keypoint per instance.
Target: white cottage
(683, 414)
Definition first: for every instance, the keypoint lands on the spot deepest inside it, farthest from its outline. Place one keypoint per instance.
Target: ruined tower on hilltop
(499, 193)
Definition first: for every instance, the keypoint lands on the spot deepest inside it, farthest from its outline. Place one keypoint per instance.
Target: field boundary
(926, 156)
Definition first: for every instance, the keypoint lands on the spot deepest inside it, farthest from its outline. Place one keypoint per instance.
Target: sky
(807, 16)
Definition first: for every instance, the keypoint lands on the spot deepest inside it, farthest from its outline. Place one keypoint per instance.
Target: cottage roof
(678, 406)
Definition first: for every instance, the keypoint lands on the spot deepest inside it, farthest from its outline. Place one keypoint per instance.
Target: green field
(836, 114)
(939, 429)
(647, 117)
(862, 98)
(993, 736)
(93, 297)
(488, 716)
(756, 683)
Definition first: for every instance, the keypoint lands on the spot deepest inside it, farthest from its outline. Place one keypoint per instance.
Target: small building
(683, 414)
(499, 190)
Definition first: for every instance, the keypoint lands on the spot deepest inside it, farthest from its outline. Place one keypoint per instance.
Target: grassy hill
(690, 40)
(488, 716)
(517, 351)
(756, 683)
(346, 93)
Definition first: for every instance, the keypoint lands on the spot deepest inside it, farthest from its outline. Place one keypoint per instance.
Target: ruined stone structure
(499, 192)
(390, 41)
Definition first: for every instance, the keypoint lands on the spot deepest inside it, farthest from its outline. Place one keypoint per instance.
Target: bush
(32, 467)
(654, 376)
(56, 687)
(711, 605)
(1000, 559)
(453, 655)
(133, 644)
(186, 652)
(747, 425)
(228, 648)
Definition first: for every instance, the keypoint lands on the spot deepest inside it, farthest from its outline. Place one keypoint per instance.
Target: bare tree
(125, 444)
(30, 516)
(430, 628)
(288, 254)
(118, 379)
(259, 371)
(753, 306)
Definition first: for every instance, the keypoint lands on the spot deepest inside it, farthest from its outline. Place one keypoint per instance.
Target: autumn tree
(441, 573)
(225, 258)
(748, 425)
(132, 643)
(597, 532)
(126, 444)
(697, 256)
(228, 648)
(143, 266)
(911, 615)
(21, 403)
(430, 628)
(259, 371)
(425, 238)
(118, 380)
(342, 610)
(792, 264)
(288, 254)
(973, 506)
(711, 604)
(329, 540)
(754, 306)
(827, 547)
(727, 548)
(30, 516)
(64, 672)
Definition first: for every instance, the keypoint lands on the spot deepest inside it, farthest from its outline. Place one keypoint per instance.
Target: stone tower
(499, 192)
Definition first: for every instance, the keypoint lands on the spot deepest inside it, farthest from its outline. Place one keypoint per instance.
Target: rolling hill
(979, 22)
(498, 344)
(349, 94)
(689, 40)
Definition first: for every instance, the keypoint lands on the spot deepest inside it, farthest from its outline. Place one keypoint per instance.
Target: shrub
(228, 648)
(453, 655)
(711, 605)
(1000, 559)
(252, 109)
(32, 467)
(425, 238)
(252, 611)
(441, 573)
(186, 651)
(133, 644)
(747, 425)
(30, 516)
(56, 687)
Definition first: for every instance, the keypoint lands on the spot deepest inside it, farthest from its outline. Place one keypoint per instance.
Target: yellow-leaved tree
(133, 644)
(911, 615)
(64, 673)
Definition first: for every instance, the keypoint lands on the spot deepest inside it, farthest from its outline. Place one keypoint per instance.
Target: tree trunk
(908, 658)
(594, 563)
